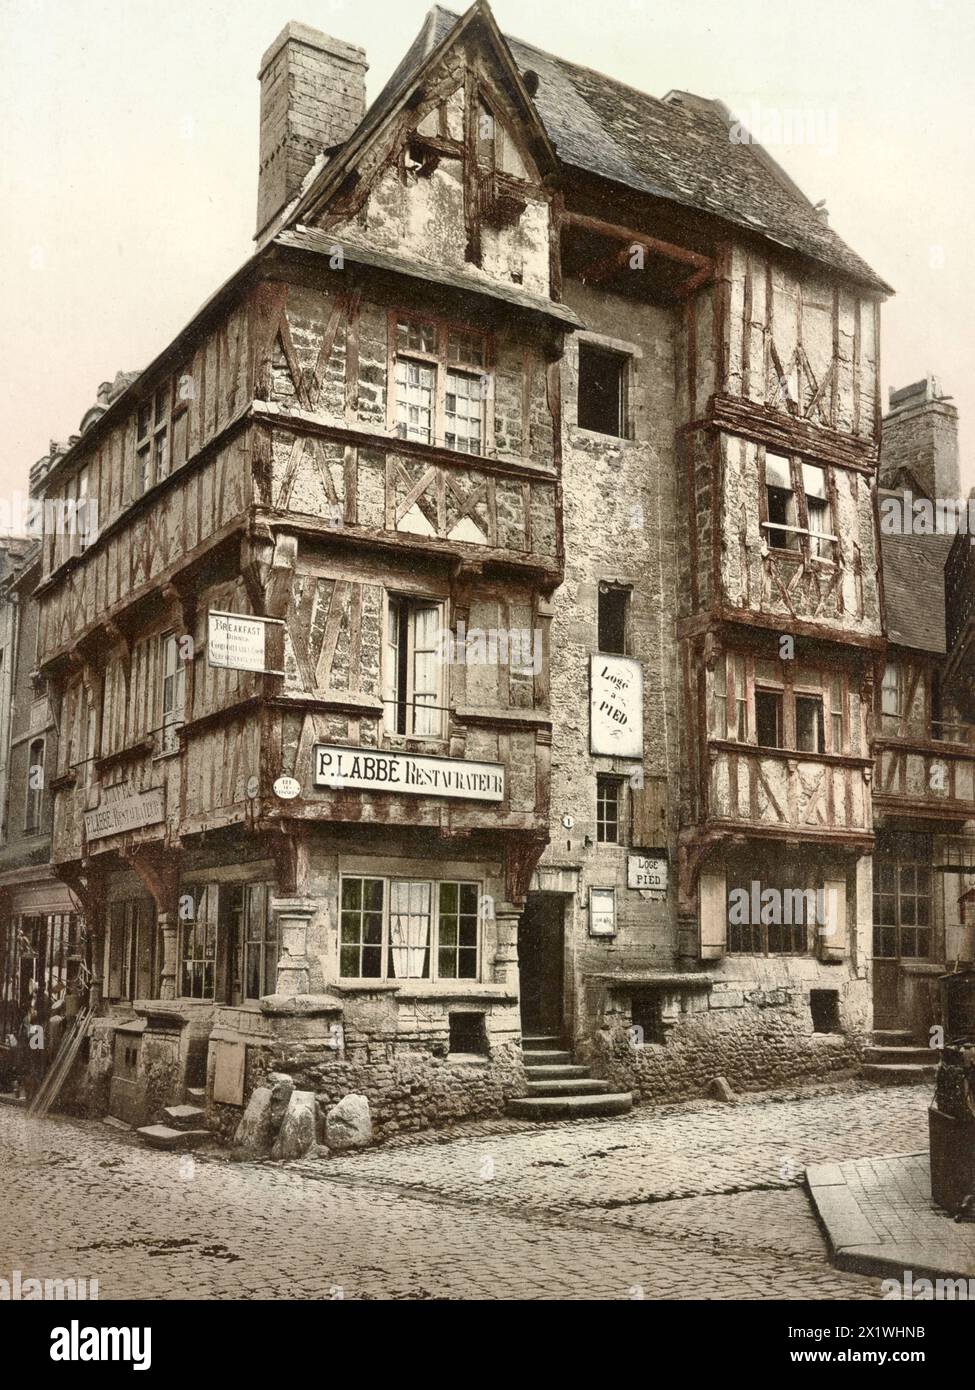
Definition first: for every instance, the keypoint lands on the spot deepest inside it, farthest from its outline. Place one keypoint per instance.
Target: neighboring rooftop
(679, 149)
(914, 588)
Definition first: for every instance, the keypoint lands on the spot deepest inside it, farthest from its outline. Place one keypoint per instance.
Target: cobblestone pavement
(696, 1201)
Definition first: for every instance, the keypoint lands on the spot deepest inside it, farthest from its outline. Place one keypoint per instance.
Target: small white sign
(647, 872)
(602, 911)
(370, 769)
(287, 788)
(237, 641)
(615, 706)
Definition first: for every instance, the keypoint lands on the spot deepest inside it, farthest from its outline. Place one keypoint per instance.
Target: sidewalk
(879, 1218)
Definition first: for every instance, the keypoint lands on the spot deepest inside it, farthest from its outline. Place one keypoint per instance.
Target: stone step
(541, 1041)
(561, 1071)
(586, 1086)
(569, 1107)
(552, 1058)
(163, 1137)
(922, 1056)
(891, 1074)
(892, 1037)
(185, 1116)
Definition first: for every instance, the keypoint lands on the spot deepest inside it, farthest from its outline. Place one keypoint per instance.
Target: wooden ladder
(57, 1073)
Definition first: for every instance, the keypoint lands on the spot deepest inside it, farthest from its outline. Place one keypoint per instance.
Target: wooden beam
(618, 233)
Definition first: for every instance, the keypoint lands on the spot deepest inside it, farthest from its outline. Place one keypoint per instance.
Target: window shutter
(648, 814)
(713, 916)
(832, 935)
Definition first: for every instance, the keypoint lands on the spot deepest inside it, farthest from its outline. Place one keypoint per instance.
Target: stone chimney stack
(920, 432)
(313, 95)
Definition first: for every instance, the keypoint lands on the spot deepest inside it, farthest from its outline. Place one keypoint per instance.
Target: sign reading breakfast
(236, 641)
(413, 774)
(615, 706)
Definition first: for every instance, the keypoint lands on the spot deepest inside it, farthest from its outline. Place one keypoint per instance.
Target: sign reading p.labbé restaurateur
(415, 774)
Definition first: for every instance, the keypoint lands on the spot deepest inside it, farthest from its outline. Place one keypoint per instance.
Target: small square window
(602, 390)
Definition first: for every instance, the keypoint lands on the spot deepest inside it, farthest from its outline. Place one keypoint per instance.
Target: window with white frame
(413, 667)
(797, 507)
(173, 692)
(441, 384)
(409, 929)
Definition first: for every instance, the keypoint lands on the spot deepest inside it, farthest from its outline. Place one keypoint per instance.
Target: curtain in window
(409, 929)
(426, 715)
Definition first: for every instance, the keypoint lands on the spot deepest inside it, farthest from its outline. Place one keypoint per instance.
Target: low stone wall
(753, 1047)
(407, 1090)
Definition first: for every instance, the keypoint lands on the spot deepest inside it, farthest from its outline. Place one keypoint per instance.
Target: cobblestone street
(696, 1201)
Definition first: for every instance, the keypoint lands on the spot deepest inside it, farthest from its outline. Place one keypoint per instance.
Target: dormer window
(152, 440)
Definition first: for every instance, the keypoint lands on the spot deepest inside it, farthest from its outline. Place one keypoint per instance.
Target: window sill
(597, 436)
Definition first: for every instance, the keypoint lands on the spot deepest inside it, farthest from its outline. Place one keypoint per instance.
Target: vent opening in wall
(468, 1033)
(824, 1004)
(646, 1020)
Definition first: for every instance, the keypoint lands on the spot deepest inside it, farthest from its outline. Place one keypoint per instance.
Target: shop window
(602, 401)
(468, 1034)
(824, 1005)
(768, 718)
(198, 941)
(247, 942)
(409, 929)
(613, 605)
(413, 668)
(609, 792)
(770, 916)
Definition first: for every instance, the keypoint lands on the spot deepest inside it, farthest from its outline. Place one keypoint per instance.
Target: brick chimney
(313, 95)
(920, 432)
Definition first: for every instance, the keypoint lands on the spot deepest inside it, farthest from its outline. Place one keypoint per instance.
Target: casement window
(442, 384)
(198, 941)
(902, 899)
(602, 400)
(613, 605)
(609, 797)
(768, 719)
(810, 730)
(798, 515)
(409, 929)
(132, 935)
(730, 700)
(413, 668)
(152, 447)
(892, 693)
(783, 922)
(173, 691)
(229, 946)
(34, 798)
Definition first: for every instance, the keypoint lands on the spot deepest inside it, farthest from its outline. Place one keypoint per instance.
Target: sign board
(122, 809)
(236, 641)
(602, 911)
(615, 706)
(648, 872)
(413, 774)
(287, 788)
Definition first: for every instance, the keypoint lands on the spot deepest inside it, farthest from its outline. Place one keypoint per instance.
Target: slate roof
(677, 150)
(914, 588)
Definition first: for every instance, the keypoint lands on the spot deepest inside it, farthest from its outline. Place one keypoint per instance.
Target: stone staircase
(185, 1128)
(895, 1059)
(560, 1090)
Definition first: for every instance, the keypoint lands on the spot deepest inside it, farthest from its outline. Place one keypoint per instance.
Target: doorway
(541, 963)
(902, 918)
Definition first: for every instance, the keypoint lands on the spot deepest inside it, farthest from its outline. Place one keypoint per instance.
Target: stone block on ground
(296, 1136)
(720, 1090)
(282, 1088)
(348, 1125)
(254, 1133)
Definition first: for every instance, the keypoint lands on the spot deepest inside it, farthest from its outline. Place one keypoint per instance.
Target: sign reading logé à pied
(414, 774)
(647, 872)
(237, 641)
(615, 706)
